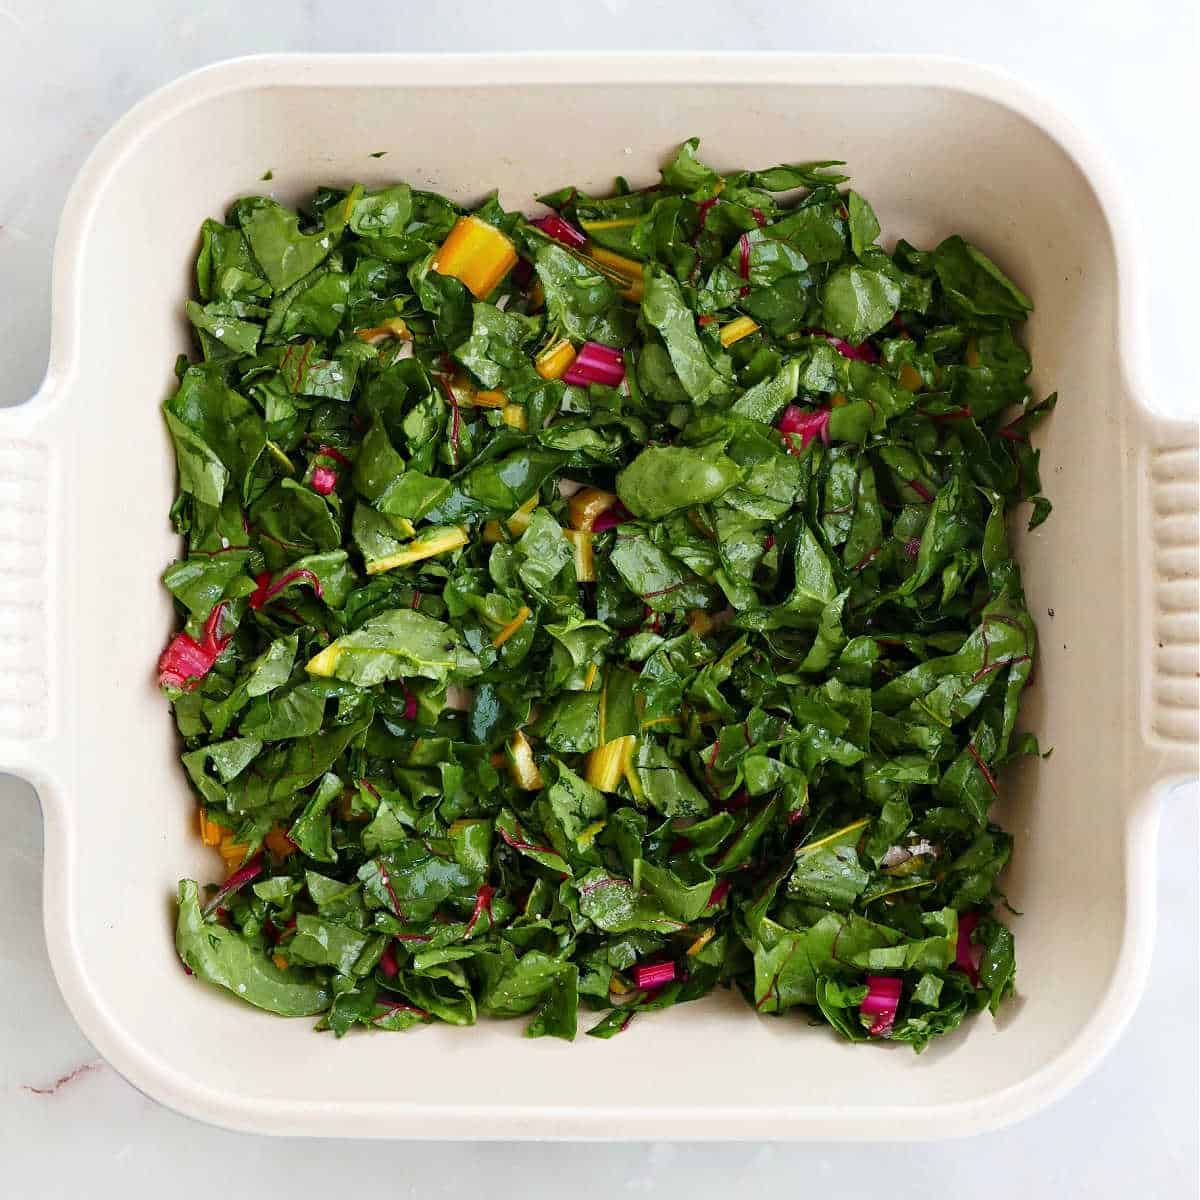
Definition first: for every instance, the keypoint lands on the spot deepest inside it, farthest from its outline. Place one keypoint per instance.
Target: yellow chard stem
(393, 327)
(521, 764)
(523, 615)
(611, 223)
(553, 362)
(489, 399)
(737, 329)
(515, 417)
(436, 542)
(606, 764)
(477, 254)
(587, 504)
(624, 272)
(585, 563)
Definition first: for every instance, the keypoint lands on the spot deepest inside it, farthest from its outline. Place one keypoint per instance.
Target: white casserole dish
(87, 478)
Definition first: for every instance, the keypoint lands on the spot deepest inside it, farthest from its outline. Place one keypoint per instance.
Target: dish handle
(29, 528)
(1169, 538)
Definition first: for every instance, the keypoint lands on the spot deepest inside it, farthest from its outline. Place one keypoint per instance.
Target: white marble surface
(69, 1126)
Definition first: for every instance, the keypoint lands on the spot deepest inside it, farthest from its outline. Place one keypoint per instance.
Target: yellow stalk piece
(627, 769)
(587, 504)
(440, 541)
(624, 272)
(910, 378)
(523, 615)
(324, 662)
(606, 764)
(393, 327)
(234, 853)
(517, 523)
(737, 329)
(611, 223)
(489, 399)
(210, 831)
(521, 766)
(477, 254)
(553, 362)
(515, 418)
(588, 836)
(585, 563)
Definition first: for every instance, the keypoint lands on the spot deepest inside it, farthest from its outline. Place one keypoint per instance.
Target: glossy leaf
(517, 688)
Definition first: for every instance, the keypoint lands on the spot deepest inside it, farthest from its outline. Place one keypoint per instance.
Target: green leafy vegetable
(665, 479)
(506, 692)
(230, 959)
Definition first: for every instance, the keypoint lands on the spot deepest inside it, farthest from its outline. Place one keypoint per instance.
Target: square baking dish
(87, 476)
